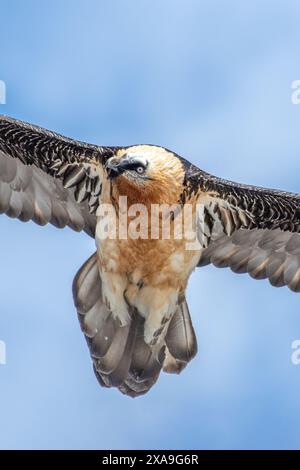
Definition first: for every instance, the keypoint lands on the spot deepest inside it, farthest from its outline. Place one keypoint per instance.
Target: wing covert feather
(249, 229)
(48, 178)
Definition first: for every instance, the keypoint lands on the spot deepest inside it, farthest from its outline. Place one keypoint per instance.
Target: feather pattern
(262, 253)
(180, 338)
(48, 178)
(241, 206)
(121, 357)
(249, 229)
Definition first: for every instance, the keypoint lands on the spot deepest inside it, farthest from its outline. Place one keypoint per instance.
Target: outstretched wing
(48, 178)
(249, 229)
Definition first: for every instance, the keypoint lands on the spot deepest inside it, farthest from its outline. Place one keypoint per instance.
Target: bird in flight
(130, 294)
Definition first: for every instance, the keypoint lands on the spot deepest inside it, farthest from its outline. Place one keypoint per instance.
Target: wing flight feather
(48, 178)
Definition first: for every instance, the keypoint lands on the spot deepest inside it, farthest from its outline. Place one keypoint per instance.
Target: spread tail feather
(180, 340)
(121, 357)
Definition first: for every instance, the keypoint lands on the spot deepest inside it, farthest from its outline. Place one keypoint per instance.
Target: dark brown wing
(48, 178)
(249, 229)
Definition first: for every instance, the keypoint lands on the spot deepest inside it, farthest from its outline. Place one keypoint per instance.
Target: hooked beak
(115, 168)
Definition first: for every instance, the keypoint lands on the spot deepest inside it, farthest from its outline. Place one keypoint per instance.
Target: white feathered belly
(149, 275)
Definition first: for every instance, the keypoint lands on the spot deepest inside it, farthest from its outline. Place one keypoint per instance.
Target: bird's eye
(140, 170)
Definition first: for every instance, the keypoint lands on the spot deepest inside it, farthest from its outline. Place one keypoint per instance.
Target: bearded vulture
(130, 294)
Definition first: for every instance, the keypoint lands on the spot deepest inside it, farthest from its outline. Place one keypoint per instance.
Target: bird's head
(146, 172)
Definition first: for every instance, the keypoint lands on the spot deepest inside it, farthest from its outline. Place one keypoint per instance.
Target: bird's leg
(113, 287)
(157, 306)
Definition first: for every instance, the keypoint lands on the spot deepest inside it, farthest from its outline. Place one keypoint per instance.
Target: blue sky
(211, 80)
